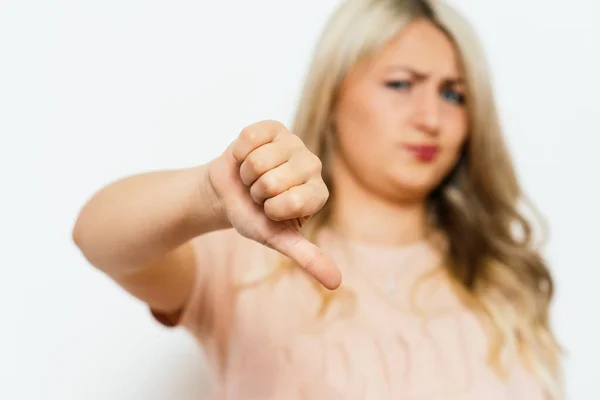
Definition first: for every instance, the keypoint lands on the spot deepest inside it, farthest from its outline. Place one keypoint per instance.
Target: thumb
(311, 258)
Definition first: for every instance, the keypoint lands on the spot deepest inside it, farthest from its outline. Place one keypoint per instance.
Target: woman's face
(400, 118)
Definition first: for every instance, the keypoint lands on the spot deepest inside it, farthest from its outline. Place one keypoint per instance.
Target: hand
(268, 184)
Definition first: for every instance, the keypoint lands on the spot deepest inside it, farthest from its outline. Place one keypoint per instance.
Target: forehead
(421, 46)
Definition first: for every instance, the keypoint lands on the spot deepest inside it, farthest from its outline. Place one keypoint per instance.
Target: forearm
(136, 220)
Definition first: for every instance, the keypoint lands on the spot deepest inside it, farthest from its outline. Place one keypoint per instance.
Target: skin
(267, 183)
(409, 94)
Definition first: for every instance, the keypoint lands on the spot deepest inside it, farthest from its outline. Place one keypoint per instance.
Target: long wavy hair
(492, 257)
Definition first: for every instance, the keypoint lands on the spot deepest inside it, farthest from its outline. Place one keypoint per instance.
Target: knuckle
(314, 163)
(254, 162)
(273, 124)
(271, 129)
(322, 191)
(269, 185)
(324, 196)
(249, 134)
(295, 143)
(325, 191)
(283, 134)
(310, 164)
(296, 204)
(261, 132)
(256, 196)
(273, 211)
(246, 174)
(321, 196)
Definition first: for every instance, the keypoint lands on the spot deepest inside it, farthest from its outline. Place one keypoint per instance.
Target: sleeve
(210, 299)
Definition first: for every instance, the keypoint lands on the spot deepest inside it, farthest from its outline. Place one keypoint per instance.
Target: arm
(137, 231)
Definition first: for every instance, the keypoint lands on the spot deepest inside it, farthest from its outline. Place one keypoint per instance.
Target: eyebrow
(421, 75)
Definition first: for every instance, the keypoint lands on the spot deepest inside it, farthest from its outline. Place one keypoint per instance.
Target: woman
(393, 177)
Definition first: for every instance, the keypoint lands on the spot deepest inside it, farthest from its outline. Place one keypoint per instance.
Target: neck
(365, 216)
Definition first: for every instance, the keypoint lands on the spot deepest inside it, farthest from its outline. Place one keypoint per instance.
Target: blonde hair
(497, 270)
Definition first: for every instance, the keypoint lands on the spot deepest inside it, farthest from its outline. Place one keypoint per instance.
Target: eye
(453, 96)
(399, 85)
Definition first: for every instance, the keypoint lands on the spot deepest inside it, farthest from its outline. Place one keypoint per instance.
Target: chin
(412, 188)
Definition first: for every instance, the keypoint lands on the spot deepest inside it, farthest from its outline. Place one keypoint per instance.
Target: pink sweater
(372, 345)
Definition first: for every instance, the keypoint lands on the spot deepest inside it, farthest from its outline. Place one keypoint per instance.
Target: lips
(424, 153)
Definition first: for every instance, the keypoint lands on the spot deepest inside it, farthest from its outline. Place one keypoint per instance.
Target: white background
(91, 91)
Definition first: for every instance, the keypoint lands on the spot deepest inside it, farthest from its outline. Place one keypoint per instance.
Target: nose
(426, 115)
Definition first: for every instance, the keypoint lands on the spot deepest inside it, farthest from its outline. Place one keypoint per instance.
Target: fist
(268, 184)
(280, 172)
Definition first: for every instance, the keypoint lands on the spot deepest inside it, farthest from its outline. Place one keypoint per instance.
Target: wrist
(206, 210)
(215, 205)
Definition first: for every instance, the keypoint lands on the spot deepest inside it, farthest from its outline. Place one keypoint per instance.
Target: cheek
(455, 133)
(452, 151)
(455, 143)
(362, 127)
